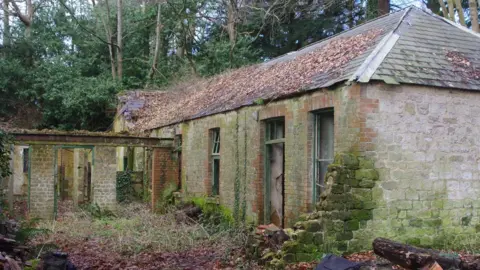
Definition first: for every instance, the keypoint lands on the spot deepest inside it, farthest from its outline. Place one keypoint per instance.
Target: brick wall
(42, 182)
(242, 146)
(104, 175)
(164, 172)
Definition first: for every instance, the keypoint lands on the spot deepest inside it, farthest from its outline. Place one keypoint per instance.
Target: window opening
(215, 155)
(274, 173)
(324, 149)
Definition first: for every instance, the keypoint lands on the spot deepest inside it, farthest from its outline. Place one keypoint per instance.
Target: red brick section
(367, 106)
(319, 100)
(164, 171)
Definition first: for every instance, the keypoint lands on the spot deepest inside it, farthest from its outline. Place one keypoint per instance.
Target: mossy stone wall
(346, 205)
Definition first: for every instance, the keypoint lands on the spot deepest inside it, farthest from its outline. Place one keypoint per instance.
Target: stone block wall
(104, 175)
(427, 151)
(343, 213)
(42, 181)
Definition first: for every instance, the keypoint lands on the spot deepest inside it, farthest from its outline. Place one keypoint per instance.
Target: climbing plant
(124, 186)
(5, 141)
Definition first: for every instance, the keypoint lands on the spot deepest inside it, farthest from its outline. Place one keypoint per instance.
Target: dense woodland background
(62, 62)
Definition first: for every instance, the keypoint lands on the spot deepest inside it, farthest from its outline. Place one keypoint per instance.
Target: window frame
(316, 151)
(268, 142)
(215, 141)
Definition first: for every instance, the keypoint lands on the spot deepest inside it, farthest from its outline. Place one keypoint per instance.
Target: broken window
(215, 154)
(25, 160)
(323, 151)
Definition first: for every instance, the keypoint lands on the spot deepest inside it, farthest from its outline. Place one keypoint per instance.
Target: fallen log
(414, 258)
(411, 257)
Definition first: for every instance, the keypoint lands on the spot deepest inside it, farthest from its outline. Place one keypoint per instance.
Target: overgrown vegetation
(5, 142)
(124, 187)
(135, 231)
(64, 66)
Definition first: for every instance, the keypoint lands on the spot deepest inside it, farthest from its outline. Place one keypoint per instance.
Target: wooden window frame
(269, 141)
(317, 118)
(215, 140)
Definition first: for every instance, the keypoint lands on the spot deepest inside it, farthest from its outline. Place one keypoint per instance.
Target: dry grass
(138, 239)
(136, 229)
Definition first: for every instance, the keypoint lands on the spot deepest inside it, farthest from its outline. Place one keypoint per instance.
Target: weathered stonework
(242, 150)
(42, 182)
(104, 175)
(427, 151)
(412, 177)
(347, 204)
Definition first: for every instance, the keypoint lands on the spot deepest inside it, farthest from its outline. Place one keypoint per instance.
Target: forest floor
(135, 238)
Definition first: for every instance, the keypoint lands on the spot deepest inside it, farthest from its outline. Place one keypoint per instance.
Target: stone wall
(104, 175)
(345, 209)
(42, 181)
(427, 151)
(242, 146)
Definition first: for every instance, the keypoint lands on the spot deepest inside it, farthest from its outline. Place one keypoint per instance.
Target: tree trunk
(25, 18)
(474, 15)
(158, 29)
(411, 257)
(231, 26)
(461, 15)
(383, 7)
(451, 10)
(108, 33)
(434, 6)
(6, 24)
(119, 40)
(444, 9)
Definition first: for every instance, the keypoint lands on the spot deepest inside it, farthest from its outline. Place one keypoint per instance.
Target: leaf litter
(244, 86)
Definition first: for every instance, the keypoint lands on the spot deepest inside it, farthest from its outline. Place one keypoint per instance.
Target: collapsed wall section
(346, 205)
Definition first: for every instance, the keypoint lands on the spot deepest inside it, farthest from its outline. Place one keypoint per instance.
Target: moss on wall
(346, 204)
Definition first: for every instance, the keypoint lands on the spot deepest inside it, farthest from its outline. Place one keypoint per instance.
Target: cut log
(414, 258)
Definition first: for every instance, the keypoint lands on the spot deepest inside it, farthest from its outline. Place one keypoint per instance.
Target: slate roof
(421, 54)
(411, 46)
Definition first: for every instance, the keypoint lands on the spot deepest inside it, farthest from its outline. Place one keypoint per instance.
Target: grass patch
(134, 229)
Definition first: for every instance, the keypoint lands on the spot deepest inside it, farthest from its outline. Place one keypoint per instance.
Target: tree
(26, 18)
(466, 10)
(158, 28)
(5, 142)
(474, 15)
(82, 53)
(119, 40)
(6, 23)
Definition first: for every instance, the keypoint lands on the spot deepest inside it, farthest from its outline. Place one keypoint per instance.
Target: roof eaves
(366, 70)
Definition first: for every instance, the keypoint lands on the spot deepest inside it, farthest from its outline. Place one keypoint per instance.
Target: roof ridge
(366, 70)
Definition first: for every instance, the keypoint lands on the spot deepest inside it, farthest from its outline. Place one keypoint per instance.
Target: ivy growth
(124, 187)
(5, 142)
